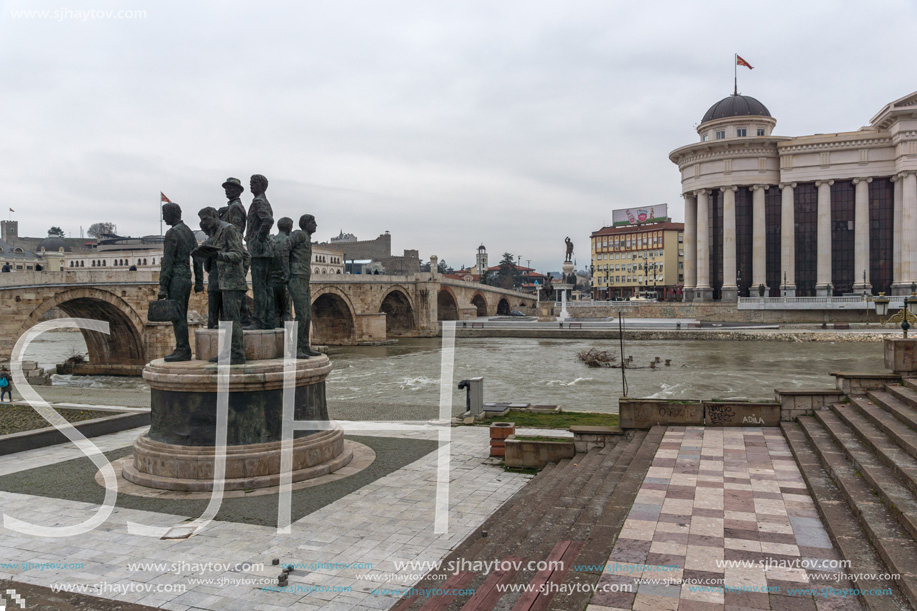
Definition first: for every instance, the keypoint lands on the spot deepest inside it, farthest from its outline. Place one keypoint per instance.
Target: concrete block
(645, 413)
(901, 355)
(741, 414)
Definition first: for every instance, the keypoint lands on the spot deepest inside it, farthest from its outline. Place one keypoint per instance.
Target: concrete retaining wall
(717, 312)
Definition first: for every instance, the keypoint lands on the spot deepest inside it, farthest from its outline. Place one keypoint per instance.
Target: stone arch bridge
(346, 310)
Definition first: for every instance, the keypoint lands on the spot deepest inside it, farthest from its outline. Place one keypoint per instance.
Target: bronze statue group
(280, 265)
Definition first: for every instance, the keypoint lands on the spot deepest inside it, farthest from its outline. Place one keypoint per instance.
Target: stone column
(730, 289)
(898, 286)
(690, 246)
(703, 292)
(823, 277)
(861, 236)
(759, 239)
(908, 228)
(787, 240)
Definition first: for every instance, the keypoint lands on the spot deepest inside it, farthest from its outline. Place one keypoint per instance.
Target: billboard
(641, 214)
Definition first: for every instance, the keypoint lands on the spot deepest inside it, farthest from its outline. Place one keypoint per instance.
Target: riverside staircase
(859, 459)
(571, 511)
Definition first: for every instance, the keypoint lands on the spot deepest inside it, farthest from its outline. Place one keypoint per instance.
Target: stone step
(900, 402)
(582, 526)
(535, 538)
(840, 521)
(562, 509)
(518, 515)
(903, 436)
(602, 538)
(871, 452)
(894, 545)
(910, 383)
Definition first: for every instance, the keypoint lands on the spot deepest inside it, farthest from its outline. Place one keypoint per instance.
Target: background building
(811, 215)
(633, 258)
(375, 251)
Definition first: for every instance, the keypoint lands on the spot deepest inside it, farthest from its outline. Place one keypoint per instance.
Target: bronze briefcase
(163, 310)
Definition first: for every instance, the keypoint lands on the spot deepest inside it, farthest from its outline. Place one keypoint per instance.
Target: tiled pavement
(715, 495)
(388, 520)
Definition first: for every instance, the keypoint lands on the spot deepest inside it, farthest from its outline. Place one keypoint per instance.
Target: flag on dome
(742, 62)
(164, 199)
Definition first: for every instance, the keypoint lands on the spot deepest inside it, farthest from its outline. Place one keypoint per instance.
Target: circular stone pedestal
(190, 468)
(178, 451)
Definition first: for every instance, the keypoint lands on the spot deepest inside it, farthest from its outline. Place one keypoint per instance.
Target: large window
(806, 217)
(715, 218)
(842, 217)
(744, 240)
(772, 204)
(881, 234)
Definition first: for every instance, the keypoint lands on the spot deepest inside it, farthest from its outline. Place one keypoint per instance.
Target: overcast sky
(449, 124)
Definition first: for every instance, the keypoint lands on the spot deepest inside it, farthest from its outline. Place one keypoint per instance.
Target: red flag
(163, 199)
(742, 62)
(11, 210)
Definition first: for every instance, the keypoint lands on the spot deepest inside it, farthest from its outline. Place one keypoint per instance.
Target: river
(547, 371)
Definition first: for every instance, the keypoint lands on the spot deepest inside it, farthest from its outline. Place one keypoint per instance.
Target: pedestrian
(6, 385)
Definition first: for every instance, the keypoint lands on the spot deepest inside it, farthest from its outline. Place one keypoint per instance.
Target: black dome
(53, 244)
(736, 106)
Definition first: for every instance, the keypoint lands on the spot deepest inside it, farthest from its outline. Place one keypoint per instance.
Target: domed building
(799, 216)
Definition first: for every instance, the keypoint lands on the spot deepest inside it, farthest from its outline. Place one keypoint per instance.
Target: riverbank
(864, 334)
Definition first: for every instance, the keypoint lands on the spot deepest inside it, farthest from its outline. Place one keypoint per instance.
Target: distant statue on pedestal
(569, 244)
(225, 251)
(175, 277)
(300, 262)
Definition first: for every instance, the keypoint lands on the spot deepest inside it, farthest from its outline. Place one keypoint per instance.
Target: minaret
(481, 266)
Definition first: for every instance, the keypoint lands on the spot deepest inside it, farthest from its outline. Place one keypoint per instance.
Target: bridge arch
(503, 307)
(399, 312)
(332, 317)
(480, 302)
(124, 343)
(446, 305)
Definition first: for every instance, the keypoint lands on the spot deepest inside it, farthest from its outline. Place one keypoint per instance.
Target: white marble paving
(388, 520)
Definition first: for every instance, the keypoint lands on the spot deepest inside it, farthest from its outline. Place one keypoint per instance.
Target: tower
(481, 261)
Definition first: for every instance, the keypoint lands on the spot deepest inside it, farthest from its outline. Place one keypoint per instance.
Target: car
(516, 313)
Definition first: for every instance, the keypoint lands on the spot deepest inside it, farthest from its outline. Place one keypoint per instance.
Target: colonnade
(697, 239)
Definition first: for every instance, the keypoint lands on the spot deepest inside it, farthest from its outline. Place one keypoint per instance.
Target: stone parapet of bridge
(346, 309)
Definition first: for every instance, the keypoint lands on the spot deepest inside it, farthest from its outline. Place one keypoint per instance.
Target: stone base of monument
(178, 451)
(258, 344)
(190, 468)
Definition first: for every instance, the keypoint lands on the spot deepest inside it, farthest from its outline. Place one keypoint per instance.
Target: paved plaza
(386, 521)
(717, 505)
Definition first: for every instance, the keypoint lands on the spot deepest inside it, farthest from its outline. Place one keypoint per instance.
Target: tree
(443, 268)
(56, 232)
(510, 275)
(97, 230)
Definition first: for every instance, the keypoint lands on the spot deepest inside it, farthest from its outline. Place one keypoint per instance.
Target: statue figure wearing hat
(234, 212)
(257, 237)
(175, 276)
(224, 249)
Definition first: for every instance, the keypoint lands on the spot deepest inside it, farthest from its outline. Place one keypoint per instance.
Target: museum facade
(826, 214)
